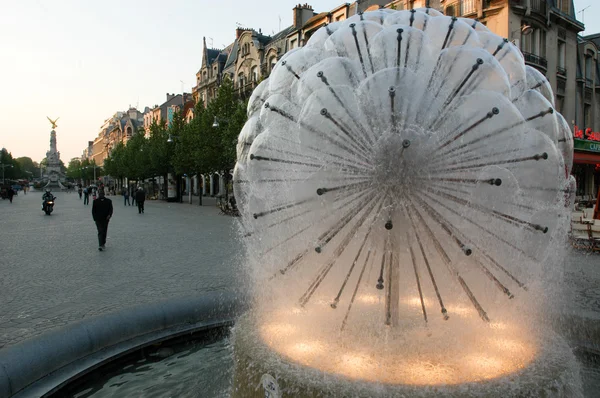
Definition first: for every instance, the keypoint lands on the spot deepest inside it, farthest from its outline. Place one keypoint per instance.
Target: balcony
(536, 61)
(537, 6)
(561, 71)
(460, 8)
(589, 82)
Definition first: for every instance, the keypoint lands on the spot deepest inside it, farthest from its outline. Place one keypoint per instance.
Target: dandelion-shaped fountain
(402, 180)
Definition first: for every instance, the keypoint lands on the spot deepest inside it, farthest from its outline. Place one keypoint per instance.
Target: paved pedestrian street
(52, 274)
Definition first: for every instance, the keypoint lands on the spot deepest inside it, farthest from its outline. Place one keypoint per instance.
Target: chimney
(170, 96)
(238, 32)
(302, 13)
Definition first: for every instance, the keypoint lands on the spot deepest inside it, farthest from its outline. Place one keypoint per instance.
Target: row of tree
(22, 168)
(82, 170)
(197, 147)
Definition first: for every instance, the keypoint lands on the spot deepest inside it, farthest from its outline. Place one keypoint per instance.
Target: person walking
(102, 210)
(10, 193)
(126, 197)
(86, 196)
(140, 197)
(79, 191)
(133, 192)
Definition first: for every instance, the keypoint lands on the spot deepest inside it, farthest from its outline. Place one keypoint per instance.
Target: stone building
(120, 127)
(210, 74)
(586, 129)
(165, 111)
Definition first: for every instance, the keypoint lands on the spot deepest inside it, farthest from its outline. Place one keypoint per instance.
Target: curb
(41, 365)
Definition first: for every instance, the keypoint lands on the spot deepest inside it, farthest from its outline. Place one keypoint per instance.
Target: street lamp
(179, 194)
(525, 30)
(3, 167)
(170, 139)
(94, 166)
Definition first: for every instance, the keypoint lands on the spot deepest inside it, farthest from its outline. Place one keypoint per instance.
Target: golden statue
(53, 122)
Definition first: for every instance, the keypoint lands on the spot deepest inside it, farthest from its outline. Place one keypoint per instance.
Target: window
(254, 74)
(272, 62)
(535, 42)
(339, 18)
(587, 115)
(129, 131)
(560, 103)
(563, 5)
(293, 44)
(589, 70)
(562, 54)
(241, 79)
(468, 7)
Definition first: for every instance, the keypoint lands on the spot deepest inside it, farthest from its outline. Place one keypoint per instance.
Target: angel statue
(53, 122)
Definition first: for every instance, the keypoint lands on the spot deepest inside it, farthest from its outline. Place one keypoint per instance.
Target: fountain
(403, 181)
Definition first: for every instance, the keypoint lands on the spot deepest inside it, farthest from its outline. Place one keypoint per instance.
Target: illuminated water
(197, 368)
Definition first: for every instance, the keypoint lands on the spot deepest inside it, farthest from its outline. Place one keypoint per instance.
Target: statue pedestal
(260, 371)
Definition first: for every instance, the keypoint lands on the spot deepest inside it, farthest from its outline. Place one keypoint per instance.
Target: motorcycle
(48, 205)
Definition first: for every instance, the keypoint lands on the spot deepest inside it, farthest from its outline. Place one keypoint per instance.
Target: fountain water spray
(401, 179)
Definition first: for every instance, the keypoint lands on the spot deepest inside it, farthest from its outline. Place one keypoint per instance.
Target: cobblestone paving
(582, 284)
(52, 274)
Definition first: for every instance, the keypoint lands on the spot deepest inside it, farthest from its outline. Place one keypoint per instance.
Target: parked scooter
(48, 202)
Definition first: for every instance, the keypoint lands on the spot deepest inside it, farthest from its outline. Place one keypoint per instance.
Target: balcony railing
(589, 82)
(537, 6)
(561, 71)
(535, 60)
(460, 8)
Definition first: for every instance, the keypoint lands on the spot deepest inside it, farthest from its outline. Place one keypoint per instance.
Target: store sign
(585, 145)
(588, 134)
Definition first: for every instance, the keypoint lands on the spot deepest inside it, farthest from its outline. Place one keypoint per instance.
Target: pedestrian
(86, 196)
(10, 193)
(126, 197)
(79, 191)
(102, 211)
(140, 198)
(133, 197)
(94, 190)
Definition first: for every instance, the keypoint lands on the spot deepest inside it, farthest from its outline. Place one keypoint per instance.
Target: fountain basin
(552, 372)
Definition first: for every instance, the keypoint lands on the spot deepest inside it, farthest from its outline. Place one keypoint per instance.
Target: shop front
(586, 165)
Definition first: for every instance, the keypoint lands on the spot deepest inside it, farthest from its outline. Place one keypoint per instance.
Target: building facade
(120, 127)
(165, 111)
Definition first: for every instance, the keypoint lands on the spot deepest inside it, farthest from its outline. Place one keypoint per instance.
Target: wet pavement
(52, 274)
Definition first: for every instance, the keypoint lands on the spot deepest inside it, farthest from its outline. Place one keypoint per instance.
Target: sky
(83, 61)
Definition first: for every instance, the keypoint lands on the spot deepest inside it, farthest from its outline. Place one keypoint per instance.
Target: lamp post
(170, 140)
(94, 166)
(525, 30)
(4, 166)
(216, 123)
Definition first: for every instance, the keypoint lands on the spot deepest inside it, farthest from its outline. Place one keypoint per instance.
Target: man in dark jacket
(102, 211)
(11, 193)
(140, 197)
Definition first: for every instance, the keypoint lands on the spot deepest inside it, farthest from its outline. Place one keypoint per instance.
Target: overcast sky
(84, 60)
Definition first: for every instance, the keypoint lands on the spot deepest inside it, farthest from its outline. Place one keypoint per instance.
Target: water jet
(424, 163)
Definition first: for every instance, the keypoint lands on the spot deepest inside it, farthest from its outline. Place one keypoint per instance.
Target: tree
(160, 151)
(29, 168)
(230, 112)
(192, 146)
(74, 169)
(11, 169)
